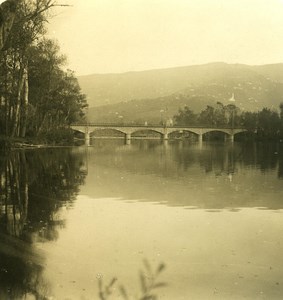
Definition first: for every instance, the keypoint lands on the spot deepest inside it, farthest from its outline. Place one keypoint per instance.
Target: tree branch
(42, 8)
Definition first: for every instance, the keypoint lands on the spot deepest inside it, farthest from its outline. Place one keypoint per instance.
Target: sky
(114, 36)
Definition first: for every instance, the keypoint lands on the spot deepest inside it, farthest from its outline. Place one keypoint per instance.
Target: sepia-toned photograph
(141, 149)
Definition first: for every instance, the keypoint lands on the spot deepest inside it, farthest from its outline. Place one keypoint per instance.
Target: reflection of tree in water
(211, 158)
(263, 156)
(56, 182)
(19, 278)
(280, 162)
(34, 187)
(268, 157)
(219, 159)
(245, 175)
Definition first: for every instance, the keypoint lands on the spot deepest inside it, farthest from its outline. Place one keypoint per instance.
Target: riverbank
(8, 144)
(52, 138)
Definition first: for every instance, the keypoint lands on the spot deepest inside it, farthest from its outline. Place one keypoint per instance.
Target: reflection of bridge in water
(129, 129)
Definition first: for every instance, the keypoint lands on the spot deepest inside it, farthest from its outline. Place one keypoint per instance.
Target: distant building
(232, 99)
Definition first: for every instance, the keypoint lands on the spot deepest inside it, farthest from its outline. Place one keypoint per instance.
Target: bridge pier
(87, 138)
(229, 138)
(128, 137)
(200, 139)
(165, 136)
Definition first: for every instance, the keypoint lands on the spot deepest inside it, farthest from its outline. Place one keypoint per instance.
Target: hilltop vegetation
(265, 124)
(142, 96)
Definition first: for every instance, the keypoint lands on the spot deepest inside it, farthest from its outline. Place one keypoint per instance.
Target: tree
(7, 17)
(268, 123)
(207, 116)
(55, 96)
(281, 120)
(45, 70)
(36, 95)
(28, 25)
(185, 117)
(220, 114)
(234, 115)
(281, 110)
(249, 120)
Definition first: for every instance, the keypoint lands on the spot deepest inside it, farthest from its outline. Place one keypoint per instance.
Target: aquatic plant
(149, 283)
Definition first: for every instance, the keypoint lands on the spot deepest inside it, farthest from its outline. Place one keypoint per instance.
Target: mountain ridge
(143, 94)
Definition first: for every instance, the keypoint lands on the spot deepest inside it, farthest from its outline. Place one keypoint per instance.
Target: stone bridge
(164, 131)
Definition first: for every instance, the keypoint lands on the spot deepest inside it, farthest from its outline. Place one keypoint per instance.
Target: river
(208, 216)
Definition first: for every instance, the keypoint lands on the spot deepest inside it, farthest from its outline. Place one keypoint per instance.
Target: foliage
(36, 94)
(5, 143)
(55, 96)
(249, 119)
(58, 136)
(207, 116)
(267, 123)
(220, 115)
(7, 16)
(185, 116)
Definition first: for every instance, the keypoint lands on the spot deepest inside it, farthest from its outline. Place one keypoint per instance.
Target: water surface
(212, 212)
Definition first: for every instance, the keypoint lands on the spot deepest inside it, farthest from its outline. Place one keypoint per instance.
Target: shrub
(58, 136)
(5, 143)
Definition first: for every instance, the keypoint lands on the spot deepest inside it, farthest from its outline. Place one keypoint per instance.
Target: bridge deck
(131, 125)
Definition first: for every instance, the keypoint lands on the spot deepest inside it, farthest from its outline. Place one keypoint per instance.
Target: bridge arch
(81, 132)
(245, 135)
(146, 131)
(183, 133)
(192, 130)
(225, 131)
(78, 129)
(217, 134)
(98, 131)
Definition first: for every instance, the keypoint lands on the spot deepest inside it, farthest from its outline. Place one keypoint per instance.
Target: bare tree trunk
(24, 107)
(17, 111)
(7, 100)
(7, 16)
(41, 126)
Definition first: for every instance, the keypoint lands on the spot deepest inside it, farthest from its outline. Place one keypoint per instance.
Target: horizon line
(176, 67)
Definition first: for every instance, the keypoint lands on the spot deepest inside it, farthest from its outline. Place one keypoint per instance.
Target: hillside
(150, 95)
